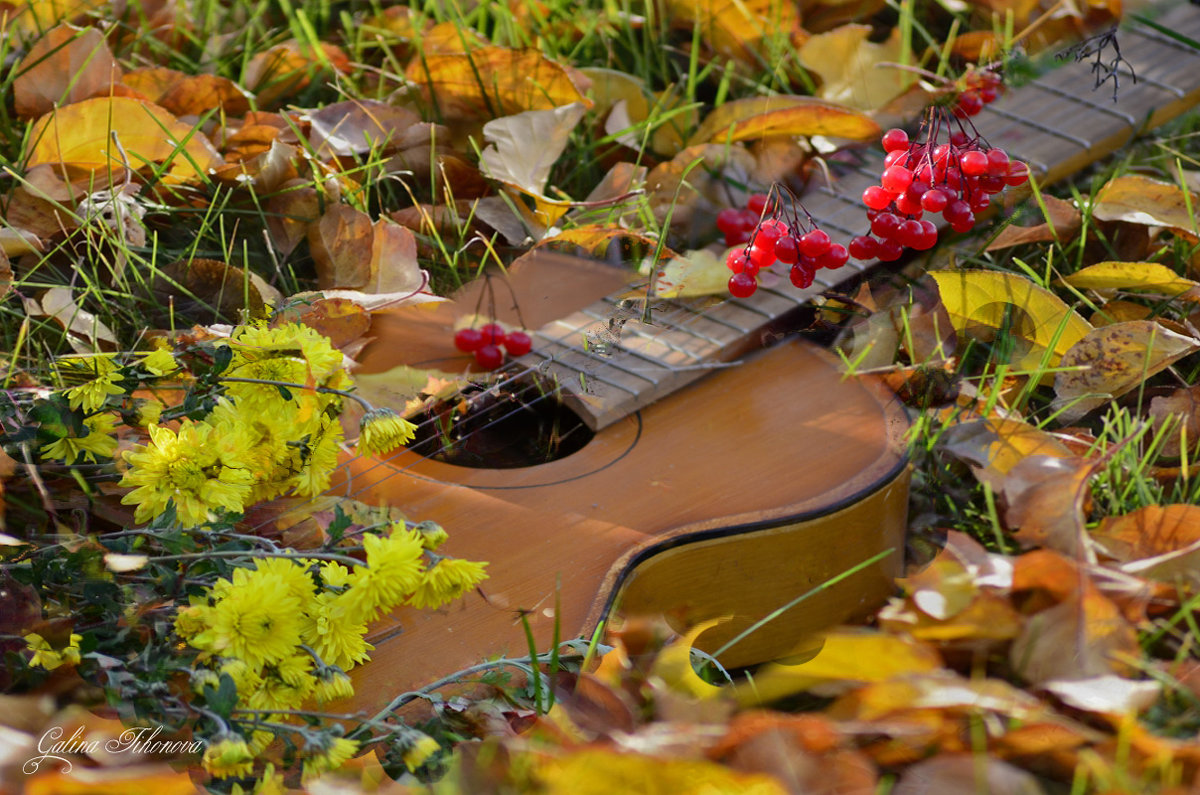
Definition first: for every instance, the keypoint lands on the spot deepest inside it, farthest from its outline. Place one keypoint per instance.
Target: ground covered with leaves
(205, 208)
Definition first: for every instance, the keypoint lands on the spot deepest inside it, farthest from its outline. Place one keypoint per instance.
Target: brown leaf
(592, 705)
(339, 319)
(188, 95)
(760, 117)
(966, 773)
(1181, 411)
(495, 81)
(1045, 497)
(80, 136)
(66, 65)
(290, 212)
(351, 252)
(1159, 541)
(1063, 223)
(994, 446)
(207, 290)
(1136, 199)
(359, 126)
(1081, 637)
(1113, 360)
(289, 68)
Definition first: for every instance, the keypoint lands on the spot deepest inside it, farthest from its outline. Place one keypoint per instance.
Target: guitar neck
(610, 364)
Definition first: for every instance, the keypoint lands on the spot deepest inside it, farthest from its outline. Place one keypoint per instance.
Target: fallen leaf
(1113, 360)
(760, 117)
(1107, 694)
(1045, 496)
(1120, 312)
(1180, 410)
(596, 237)
(188, 95)
(847, 656)
(1063, 223)
(1160, 542)
(1152, 277)
(690, 274)
(993, 446)
(28, 21)
(290, 67)
(80, 136)
(66, 65)
(147, 779)
(735, 28)
(339, 319)
(86, 331)
(963, 773)
(495, 81)
(358, 126)
(848, 63)
(1136, 199)
(352, 252)
(981, 303)
(600, 771)
(1081, 637)
(673, 665)
(692, 187)
(207, 290)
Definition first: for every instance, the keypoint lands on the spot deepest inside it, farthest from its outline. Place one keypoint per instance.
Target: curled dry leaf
(1152, 277)
(86, 332)
(358, 126)
(1139, 200)
(673, 665)
(495, 81)
(1181, 410)
(290, 67)
(66, 65)
(206, 290)
(848, 64)
(761, 117)
(1115, 359)
(524, 147)
(1045, 497)
(735, 28)
(188, 95)
(1161, 542)
(993, 446)
(79, 136)
(690, 274)
(352, 252)
(1083, 636)
(981, 303)
(1107, 694)
(966, 773)
(341, 320)
(1063, 220)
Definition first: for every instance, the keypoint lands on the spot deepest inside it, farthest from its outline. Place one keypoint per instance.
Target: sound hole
(502, 427)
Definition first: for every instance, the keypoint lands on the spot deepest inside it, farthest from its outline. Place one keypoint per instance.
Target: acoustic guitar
(728, 498)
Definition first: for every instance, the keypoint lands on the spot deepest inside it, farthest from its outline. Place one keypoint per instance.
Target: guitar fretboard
(610, 364)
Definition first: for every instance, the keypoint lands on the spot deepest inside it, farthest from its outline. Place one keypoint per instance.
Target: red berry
(935, 200)
(775, 223)
(876, 197)
(468, 339)
(763, 256)
(737, 238)
(885, 225)
(989, 94)
(907, 205)
(835, 257)
(742, 285)
(767, 235)
(956, 211)
(493, 333)
(928, 237)
(969, 104)
(896, 179)
(889, 251)
(974, 163)
(801, 276)
(863, 247)
(489, 357)
(814, 243)
(959, 138)
(1017, 174)
(898, 157)
(787, 250)
(729, 221)
(517, 343)
(749, 220)
(895, 139)
(737, 260)
(757, 203)
(997, 162)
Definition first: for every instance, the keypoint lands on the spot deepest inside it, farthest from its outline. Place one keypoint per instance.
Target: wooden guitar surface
(754, 485)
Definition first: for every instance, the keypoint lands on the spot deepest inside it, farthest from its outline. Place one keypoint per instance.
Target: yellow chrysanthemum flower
(98, 442)
(49, 657)
(276, 692)
(393, 571)
(149, 412)
(333, 686)
(246, 677)
(227, 757)
(335, 633)
(383, 430)
(294, 575)
(256, 619)
(315, 472)
(253, 342)
(334, 573)
(92, 394)
(331, 757)
(446, 580)
(160, 362)
(419, 751)
(190, 621)
(198, 468)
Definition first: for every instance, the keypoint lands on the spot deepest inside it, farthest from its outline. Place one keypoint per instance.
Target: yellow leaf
(1113, 360)
(1140, 200)
(80, 136)
(848, 655)
(759, 117)
(673, 664)
(31, 19)
(735, 28)
(849, 66)
(524, 147)
(1151, 276)
(692, 273)
(599, 771)
(981, 303)
(496, 81)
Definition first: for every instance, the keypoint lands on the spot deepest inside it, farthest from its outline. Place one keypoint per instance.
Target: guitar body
(730, 498)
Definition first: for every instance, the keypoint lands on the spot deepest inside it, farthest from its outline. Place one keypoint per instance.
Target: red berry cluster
(956, 179)
(489, 343)
(982, 87)
(774, 240)
(738, 225)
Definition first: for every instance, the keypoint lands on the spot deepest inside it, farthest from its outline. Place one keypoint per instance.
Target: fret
(1055, 124)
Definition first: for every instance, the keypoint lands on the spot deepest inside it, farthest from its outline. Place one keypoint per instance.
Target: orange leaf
(735, 28)
(80, 136)
(490, 82)
(994, 446)
(1045, 497)
(760, 117)
(64, 66)
(290, 67)
(1139, 200)
(1181, 411)
(1064, 220)
(1081, 637)
(1158, 541)
(151, 779)
(351, 252)
(188, 95)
